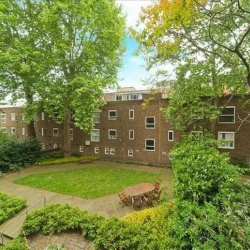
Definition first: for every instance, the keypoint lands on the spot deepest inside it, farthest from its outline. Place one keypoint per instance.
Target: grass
(90, 182)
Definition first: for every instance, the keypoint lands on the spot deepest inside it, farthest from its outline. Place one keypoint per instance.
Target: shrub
(212, 206)
(14, 155)
(9, 206)
(18, 243)
(151, 232)
(71, 159)
(89, 158)
(52, 154)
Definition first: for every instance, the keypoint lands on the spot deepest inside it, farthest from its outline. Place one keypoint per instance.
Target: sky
(133, 71)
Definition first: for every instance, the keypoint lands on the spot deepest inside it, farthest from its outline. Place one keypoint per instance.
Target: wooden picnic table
(139, 189)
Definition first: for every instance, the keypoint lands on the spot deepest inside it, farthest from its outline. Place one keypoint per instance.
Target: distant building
(127, 130)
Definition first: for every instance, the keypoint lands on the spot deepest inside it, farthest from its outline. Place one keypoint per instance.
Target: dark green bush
(14, 155)
(52, 154)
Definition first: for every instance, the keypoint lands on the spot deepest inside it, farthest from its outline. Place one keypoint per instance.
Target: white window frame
(97, 117)
(55, 145)
(56, 132)
(112, 136)
(42, 116)
(131, 114)
(13, 130)
(130, 152)
(95, 135)
(13, 117)
(227, 115)
(106, 151)
(149, 125)
(43, 146)
(170, 135)
(55, 116)
(112, 117)
(81, 148)
(96, 150)
(42, 131)
(23, 131)
(147, 147)
(228, 139)
(131, 132)
(134, 97)
(112, 151)
(3, 118)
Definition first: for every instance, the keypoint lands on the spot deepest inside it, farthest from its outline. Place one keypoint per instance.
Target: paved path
(107, 205)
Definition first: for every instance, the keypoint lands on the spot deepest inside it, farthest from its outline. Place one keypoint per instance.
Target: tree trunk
(31, 130)
(66, 135)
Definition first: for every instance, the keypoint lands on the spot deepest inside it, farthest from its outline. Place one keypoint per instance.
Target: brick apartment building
(128, 130)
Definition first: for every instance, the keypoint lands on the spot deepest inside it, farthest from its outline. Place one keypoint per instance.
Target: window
(96, 150)
(55, 146)
(131, 134)
(55, 132)
(12, 130)
(23, 117)
(150, 144)
(71, 134)
(13, 117)
(131, 114)
(42, 116)
(227, 115)
(71, 117)
(130, 152)
(3, 118)
(23, 131)
(112, 114)
(112, 151)
(106, 151)
(134, 97)
(97, 117)
(112, 134)
(118, 97)
(95, 135)
(42, 131)
(227, 140)
(55, 115)
(43, 146)
(170, 135)
(150, 122)
(81, 149)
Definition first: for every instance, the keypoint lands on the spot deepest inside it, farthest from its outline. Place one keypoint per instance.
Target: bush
(18, 243)
(151, 232)
(71, 159)
(14, 155)
(212, 207)
(9, 206)
(52, 154)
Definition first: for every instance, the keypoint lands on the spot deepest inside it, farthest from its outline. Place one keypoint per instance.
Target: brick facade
(127, 130)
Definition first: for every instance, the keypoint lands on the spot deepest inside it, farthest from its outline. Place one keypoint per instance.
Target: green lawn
(89, 182)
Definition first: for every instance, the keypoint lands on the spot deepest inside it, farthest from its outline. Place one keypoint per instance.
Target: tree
(78, 45)
(208, 41)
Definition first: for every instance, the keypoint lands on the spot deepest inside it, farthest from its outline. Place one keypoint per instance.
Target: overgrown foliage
(145, 231)
(18, 243)
(10, 206)
(14, 154)
(212, 205)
